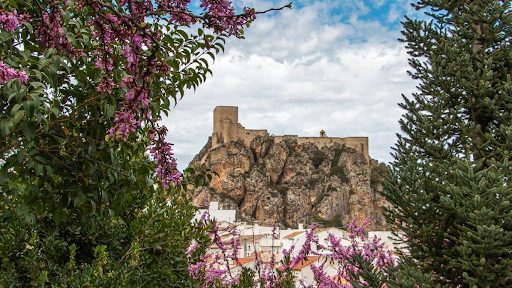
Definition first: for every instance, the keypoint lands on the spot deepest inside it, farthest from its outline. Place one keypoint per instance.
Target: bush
(330, 188)
(336, 221)
(337, 154)
(312, 182)
(281, 189)
(340, 173)
(377, 175)
(318, 158)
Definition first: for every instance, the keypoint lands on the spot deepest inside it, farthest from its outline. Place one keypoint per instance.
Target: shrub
(337, 154)
(330, 188)
(377, 175)
(312, 182)
(336, 221)
(340, 173)
(318, 158)
(281, 189)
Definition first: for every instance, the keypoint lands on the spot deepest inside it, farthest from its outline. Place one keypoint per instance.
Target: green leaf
(6, 127)
(43, 62)
(29, 218)
(59, 216)
(49, 170)
(183, 34)
(149, 182)
(55, 111)
(109, 110)
(79, 200)
(29, 26)
(15, 109)
(30, 108)
(29, 129)
(36, 85)
(38, 169)
(18, 116)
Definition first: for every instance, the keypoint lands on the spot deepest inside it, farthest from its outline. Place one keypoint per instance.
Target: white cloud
(378, 3)
(298, 73)
(393, 14)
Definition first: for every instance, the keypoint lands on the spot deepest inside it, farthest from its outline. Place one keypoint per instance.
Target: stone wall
(360, 144)
(226, 129)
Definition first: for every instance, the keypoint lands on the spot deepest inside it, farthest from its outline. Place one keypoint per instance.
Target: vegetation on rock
(318, 158)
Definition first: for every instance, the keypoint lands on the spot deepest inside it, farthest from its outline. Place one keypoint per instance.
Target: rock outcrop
(290, 183)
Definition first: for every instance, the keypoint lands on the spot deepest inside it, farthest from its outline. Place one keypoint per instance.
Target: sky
(332, 65)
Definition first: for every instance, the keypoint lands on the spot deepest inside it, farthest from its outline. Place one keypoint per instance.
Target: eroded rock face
(290, 183)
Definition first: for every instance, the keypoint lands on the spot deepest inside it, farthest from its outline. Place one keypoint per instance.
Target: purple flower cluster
(217, 266)
(7, 74)
(221, 16)
(9, 21)
(346, 258)
(136, 100)
(164, 157)
(127, 39)
(50, 32)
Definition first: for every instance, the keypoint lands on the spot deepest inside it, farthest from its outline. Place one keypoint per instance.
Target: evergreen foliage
(450, 186)
(318, 158)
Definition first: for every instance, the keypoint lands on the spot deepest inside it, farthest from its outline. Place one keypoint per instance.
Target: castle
(226, 129)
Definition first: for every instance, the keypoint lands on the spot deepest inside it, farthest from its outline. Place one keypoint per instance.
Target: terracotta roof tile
(290, 236)
(305, 262)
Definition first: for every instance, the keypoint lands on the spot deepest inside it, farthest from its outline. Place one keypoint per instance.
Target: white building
(253, 238)
(218, 215)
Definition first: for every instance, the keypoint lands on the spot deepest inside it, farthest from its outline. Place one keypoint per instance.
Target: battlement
(226, 129)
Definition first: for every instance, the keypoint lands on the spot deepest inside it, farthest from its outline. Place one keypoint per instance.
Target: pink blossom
(7, 74)
(9, 21)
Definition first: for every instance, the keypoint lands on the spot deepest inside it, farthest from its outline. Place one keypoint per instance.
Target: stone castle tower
(226, 128)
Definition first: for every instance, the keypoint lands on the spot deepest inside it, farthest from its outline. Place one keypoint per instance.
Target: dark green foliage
(146, 247)
(318, 158)
(336, 221)
(246, 279)
(450, 186)
(281, 189)
(337, 154)
(406, 275)
(330, 188)
(339, 172)
(77, 208)
(312, 182)
(378, 174)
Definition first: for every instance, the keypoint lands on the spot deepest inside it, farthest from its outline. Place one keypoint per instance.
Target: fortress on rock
(226, 129)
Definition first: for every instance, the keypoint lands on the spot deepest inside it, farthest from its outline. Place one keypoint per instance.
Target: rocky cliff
(290, 183)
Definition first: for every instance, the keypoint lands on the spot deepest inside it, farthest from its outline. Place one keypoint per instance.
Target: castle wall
(226, 128)
(248, 135)
(225, 119)
(222, 115)
(359, 144)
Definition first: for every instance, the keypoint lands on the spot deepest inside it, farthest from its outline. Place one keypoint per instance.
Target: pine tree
(450, 189)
